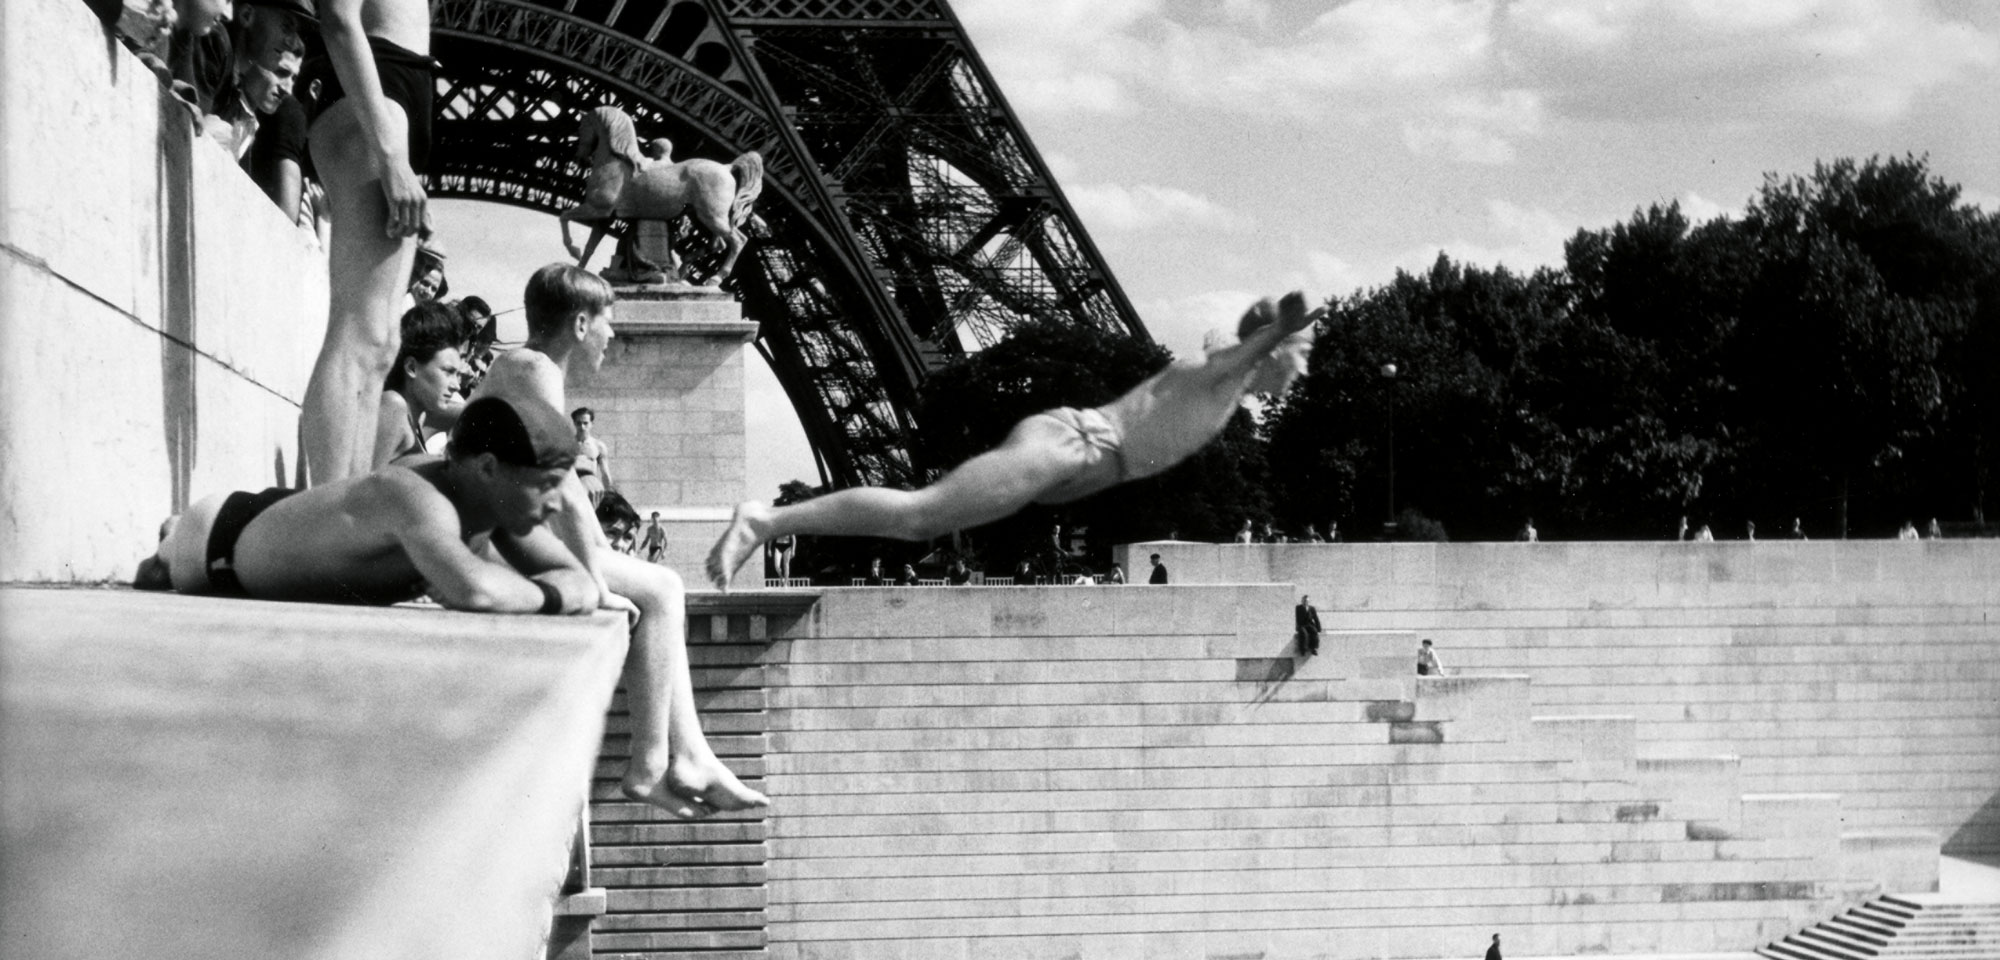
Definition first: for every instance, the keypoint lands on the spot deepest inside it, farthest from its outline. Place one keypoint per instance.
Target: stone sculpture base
(670, 407)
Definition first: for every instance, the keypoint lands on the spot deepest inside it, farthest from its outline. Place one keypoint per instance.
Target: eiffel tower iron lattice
(906, 217)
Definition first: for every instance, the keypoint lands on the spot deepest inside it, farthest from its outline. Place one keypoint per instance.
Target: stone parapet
(194, 777)
(158, 315)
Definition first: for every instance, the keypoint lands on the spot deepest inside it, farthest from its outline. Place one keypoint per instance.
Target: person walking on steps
(1427, 661)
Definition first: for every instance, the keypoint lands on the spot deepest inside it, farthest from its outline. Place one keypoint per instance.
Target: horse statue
(623, 182)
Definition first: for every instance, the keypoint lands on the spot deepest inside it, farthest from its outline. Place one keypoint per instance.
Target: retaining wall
(158, 315)
(1865, 668)
(1149, 773)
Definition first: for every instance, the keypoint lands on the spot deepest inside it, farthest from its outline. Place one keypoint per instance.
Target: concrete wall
(158, 316)
(1140, 772)
(190, 777)
(1866, 668)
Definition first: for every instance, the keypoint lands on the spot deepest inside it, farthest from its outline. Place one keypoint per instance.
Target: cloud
(1060, 56)
(1180, 323)
(1626, 60)
(1115, 207)
(1469, 80)
(1521, 238)
(1700, 209)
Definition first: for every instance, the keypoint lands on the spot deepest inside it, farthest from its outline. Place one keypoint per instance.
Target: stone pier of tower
(669, 400)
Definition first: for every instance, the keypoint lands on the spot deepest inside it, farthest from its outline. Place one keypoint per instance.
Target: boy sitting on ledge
(469, 529)
(569, 322)
(1056, 456)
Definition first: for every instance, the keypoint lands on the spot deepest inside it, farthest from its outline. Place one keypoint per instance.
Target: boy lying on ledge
(469, 529)
(1056, 456)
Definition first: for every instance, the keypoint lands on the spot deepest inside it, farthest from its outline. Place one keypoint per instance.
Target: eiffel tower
(906, 218)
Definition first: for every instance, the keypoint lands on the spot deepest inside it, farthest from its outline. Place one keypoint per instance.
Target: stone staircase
(1913, 926)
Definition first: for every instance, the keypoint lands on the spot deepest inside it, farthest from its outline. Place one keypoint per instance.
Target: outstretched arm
(404, 508)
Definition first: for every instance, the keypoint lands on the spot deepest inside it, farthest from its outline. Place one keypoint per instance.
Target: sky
(1222, 150)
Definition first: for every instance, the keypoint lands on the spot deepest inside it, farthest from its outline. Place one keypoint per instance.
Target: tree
(1865, 274)
(1468, 451)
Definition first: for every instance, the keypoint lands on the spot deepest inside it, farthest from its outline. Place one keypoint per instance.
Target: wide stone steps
(1899, 927)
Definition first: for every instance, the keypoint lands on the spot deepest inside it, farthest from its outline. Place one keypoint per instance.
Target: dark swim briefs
(237, 510)
(407, 79)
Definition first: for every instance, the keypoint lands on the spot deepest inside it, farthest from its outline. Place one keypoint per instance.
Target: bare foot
(691, 788)
(748, 527)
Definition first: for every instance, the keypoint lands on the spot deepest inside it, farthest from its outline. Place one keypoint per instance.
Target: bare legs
(1039, 455)
(672, 766)
(367, 272)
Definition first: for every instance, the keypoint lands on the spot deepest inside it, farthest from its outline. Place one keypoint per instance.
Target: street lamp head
(1389, 370)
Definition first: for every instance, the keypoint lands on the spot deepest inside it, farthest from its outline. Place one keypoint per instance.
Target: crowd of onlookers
(234, 66)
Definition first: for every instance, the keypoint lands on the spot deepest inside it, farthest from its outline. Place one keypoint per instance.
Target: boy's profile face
(524, 498)
(597, 336)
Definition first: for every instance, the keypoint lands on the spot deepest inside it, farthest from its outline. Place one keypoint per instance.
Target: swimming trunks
(407, 79)
(238, 509)
(1098, 442)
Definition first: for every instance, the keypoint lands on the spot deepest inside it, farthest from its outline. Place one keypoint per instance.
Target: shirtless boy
(1059, 455)
(569, 322)
(370, 144)
(468, 528)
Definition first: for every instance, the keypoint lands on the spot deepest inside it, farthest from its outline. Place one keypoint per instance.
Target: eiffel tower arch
(906, 218)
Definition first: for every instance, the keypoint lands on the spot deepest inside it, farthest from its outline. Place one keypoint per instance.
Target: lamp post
(1389, 524)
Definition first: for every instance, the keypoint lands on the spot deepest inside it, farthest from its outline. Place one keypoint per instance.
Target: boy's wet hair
(520, 433)
(559, 291)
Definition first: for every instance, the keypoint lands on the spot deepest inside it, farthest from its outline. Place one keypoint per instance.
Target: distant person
(1059, 455)
(1528, 532)
(1704, 535)
(369, 142)
(1908, 531)
(1116, 577)
(1333, 531)
(906, 577)
(1797, 532)
(427, 280)
(782, 550)
(1024, 573)
(1750, 530)
(593, 458)
(1932, 531)
(655, 542)
(874, 577)
(1306, 617)
(421, 395)
(1247, 533)
(1312, 534)
(1682, 534)
(1158, 577)
(1266, 535)
(1427, 661)
(1493, 949)
(958, 574)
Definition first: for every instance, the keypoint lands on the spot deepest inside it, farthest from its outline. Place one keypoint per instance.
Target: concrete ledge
(200, 778)
(1896, 861)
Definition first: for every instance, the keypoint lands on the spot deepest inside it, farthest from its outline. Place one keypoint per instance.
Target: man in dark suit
(1159, 577)
(1307, 619)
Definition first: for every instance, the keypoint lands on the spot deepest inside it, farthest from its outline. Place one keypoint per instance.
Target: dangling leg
(672, 766)
(1039, 455)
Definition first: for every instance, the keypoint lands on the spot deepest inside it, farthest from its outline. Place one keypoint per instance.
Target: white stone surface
(158, 316)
